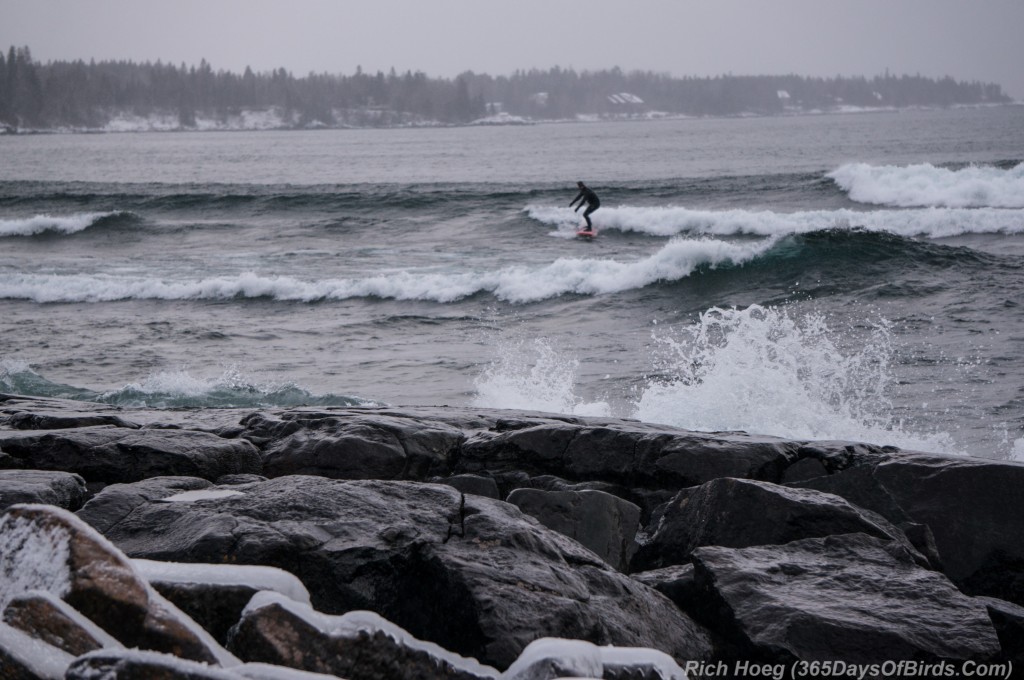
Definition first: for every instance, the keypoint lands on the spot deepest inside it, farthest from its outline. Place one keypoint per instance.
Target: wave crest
(67, 224)
(924, 185)
(517, 284)
(176, 389)
(676, 220)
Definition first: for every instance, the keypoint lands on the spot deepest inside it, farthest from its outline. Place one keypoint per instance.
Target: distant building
(625, 98)
(625, 103)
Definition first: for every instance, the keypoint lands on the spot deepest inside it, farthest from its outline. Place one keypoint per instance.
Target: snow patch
(577, 658)
(44, 661)
(354, 622)
(258, 577)
(33, 558)
(200, 495)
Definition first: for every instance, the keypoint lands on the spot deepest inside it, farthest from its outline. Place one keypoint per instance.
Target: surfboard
(586, 234)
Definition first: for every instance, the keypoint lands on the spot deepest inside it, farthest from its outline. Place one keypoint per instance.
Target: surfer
(587, 196)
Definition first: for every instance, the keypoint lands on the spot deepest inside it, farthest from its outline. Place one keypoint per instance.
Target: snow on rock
(259, 578)
(50, 549)
(22, 657)
(34, 557)
(200, 495)
(550, 658)
(50, 619)
(356, 644)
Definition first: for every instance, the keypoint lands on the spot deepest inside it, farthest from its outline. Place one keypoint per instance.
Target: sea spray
(532, 374)
(763, 370)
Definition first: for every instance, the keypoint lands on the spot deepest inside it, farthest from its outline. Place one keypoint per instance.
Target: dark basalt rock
(36, 420)
(63, 489)
(376, 446)
(115, 454)
(598, 521)
(676, 583)
(114, 502)
(410, 550)
(629, 455)
(738, 513)
(1008, 619)
(356, 645)
(973, 507)
(853, 598)
(474, 484)
(481, 578)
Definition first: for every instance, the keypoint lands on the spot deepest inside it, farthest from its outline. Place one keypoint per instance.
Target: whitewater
(825, 277)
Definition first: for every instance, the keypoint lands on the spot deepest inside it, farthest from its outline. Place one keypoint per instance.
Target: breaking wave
(675, 220)
(927, 185)
(176, 389)
(518, 284)
(68, 224)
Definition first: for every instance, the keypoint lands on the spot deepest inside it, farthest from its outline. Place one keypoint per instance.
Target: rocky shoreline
(453, 542)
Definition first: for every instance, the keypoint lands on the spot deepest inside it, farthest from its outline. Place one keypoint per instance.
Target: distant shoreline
(275, 121)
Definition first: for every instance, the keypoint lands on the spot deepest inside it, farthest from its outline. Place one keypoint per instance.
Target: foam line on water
(675, 260)
(671, 220)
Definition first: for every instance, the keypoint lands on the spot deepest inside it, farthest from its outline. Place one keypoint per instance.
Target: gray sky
(966, 39)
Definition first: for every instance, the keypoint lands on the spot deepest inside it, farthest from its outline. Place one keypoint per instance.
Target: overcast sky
(966, 39)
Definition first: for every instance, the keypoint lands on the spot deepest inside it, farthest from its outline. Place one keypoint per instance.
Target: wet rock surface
(750, 547)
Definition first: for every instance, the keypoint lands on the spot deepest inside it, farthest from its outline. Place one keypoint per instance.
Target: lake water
(821, 277)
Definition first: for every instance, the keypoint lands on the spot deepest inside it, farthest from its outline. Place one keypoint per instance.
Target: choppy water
(853, 277)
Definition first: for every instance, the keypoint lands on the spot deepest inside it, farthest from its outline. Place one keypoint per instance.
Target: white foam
(926, 185)
(181, 383)
(1017, 452)
(68, 224)
(933, 222)
(761, 370)
(675, 260)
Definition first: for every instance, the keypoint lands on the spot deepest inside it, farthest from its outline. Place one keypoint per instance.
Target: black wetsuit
(592, 201)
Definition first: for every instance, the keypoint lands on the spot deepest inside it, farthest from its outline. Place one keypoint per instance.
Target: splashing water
(533, 375)
(762, 371)
(1017, 452)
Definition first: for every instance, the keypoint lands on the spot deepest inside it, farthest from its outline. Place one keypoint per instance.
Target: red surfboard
(587, 234)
